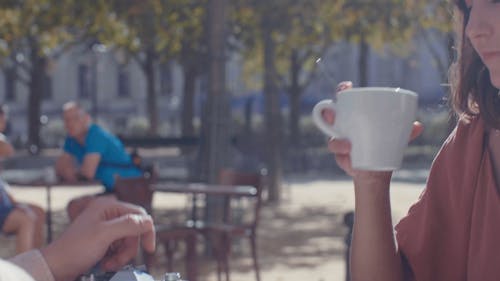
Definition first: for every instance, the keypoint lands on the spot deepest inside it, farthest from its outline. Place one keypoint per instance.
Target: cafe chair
(222, 234)
(138, 191)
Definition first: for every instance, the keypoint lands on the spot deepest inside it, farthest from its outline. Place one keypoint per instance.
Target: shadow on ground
(289, 237)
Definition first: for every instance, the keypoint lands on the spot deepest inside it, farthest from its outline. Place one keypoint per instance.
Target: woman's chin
(494, 72)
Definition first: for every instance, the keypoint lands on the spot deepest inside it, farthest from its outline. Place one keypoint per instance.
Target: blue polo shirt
(115, 160)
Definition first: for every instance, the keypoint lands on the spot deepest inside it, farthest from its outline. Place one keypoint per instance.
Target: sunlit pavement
(302, 238)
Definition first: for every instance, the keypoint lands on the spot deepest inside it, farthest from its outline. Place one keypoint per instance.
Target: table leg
(49, 214)
(226, 215)
(194, 211)
(191, 259)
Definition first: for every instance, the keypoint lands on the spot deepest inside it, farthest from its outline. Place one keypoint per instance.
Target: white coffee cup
(377, 121)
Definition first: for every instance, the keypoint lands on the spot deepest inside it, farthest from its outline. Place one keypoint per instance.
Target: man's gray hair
(73, 104)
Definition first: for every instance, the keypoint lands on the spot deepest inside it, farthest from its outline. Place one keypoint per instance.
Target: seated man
(24, 220)
(90, 153)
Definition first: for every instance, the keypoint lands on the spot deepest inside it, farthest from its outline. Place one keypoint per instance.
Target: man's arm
(6, 149)
(65, 167)
(89, 165)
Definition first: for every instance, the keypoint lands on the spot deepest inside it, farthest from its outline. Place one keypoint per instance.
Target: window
(203, 84)
(83, 81)
(10, 84)
(121, 123)
(165, 80)
(123, 83)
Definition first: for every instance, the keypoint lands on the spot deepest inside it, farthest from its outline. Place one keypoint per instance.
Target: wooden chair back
(232, 177)
(136, 190)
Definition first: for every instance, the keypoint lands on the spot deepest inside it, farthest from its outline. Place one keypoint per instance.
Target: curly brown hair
(472, 91)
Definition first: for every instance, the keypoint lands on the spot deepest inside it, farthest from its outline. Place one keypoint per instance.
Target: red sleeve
(433, 236)
(34, 264)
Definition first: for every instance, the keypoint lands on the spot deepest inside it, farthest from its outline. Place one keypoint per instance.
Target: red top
(453, 231)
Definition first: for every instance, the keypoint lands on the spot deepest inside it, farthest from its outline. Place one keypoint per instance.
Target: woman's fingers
(339, 146)
(417, 129)
(342, 150)
(124, 250)
(344, 162)
(328, 115)
(344, 85)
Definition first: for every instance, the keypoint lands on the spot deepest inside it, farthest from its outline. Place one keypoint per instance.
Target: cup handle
(318, 118)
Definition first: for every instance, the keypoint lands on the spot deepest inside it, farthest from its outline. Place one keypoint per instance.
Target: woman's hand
(107, 231)
(342, 148)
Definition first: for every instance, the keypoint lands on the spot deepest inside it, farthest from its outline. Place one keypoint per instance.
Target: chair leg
(253, 244)
(216, 241)
(219, 270)
(218, 252)
(226, 265)
(169, 246)
(226, 252)
(149, 260)
(191, 262)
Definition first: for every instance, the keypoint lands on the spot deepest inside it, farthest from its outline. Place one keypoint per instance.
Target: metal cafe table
(44, 178)
(204, 189)
(227, 191)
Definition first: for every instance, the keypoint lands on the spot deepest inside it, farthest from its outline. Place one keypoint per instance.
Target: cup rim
(380, 90)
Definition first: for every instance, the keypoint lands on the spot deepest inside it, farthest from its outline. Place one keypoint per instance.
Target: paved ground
(300, 239)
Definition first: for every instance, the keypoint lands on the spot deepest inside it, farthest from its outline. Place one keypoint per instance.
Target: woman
(452, 231)
(22, 219)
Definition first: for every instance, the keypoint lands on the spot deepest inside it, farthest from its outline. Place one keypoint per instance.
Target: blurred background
(206, 84)
(238, 74)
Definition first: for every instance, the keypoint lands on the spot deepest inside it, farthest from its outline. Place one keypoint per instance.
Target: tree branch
(17, 75)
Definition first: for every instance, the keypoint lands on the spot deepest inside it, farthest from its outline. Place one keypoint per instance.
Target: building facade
(113, 89)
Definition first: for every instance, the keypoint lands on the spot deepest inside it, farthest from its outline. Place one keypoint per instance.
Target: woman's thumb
(417, 129)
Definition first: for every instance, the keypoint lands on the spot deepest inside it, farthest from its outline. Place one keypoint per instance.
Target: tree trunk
(190, 74)
(152, 109)
(363, 62)
(248, 117)
(218, 105)
(36, 86)
(295, 93)
(272, 112)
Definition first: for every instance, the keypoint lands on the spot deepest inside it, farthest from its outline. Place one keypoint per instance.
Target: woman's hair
(472, 90)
